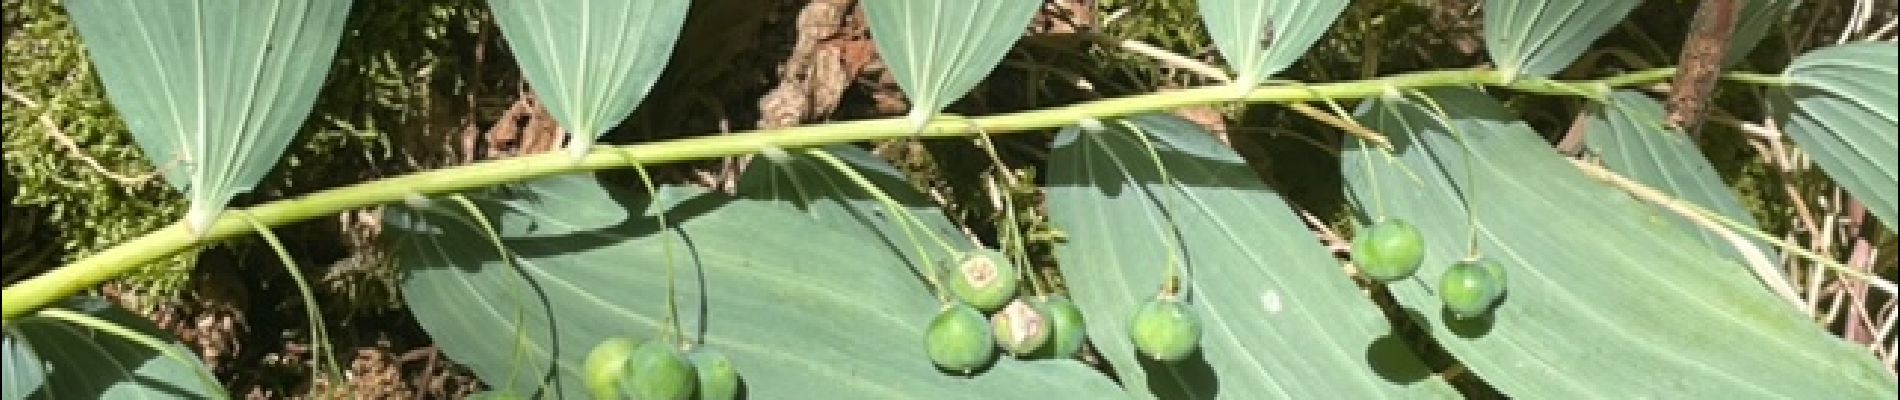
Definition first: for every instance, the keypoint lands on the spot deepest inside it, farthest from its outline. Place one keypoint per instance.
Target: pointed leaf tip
(1541, 37)
(591, 63)
(1260, 38)
(939, 50)
(212, 105)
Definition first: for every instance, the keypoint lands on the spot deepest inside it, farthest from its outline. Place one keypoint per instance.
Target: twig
(1727, 229)
(1167, 58)
(1332, 239)
(1171, 59)
(71, 146)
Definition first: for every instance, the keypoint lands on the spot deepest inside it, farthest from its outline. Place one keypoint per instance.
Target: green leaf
(23, 371)
(1841, 109)
(1280, 316)
(939, 50)
(1753, 23)
(1599, 287)
(818, 190)
(1541, 37)
(212, 90)
(81, 363)
(801, 283)
(1260, 38)
(1629, 134)
(493, 395)
(590, 61)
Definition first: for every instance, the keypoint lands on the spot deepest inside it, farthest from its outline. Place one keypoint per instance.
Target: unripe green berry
(1470, 288)
(658, 372)
(958, 339)
(1068, 331)
(606, 366)
(1388, 251)
(1166, 329)
(717, 379)
(983, 279)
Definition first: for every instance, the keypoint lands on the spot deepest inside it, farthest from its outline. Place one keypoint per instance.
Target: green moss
(90, 209)
(396, 100)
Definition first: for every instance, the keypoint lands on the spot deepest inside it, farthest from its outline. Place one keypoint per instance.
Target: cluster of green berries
(961, 340)
(1392, 250)
(618, 368)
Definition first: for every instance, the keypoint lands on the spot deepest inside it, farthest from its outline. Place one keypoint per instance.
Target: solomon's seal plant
(544, 259)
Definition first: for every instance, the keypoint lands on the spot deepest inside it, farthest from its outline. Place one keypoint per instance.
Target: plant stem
(1757, 79)
(25, 296)
(1176, 283)
(1004, 182)
(902, 218)
(673, 331)
(325, 359)
(474, 216)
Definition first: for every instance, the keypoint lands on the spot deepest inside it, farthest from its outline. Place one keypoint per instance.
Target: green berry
(658, 372)
(1470, 288)
(1388, 251)
(1065, 339)
(717, 379)
(958, 339)
(1497, 273)
(984, 279)
(606, 365)
(1166, 329)
(1021, 327)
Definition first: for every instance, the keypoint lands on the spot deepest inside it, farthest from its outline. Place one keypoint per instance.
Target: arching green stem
(23, 297)
(901, 216)
(320, 340)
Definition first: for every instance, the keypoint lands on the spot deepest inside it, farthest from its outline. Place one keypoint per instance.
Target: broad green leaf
(493, 395)
(667, 197)
(1280, 317)
(1756, 19)
(590, 61)
(1629, 134)
(1260, 37)
(939, 50)
(818, 190)
(1841, 109)
(213, 90)
(23, 371)
(802, 283)
(1540, 37)
(82, 363)
(1605, 298)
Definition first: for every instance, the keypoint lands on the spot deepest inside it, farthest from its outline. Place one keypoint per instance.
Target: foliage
(43, 351)
(817, 270)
